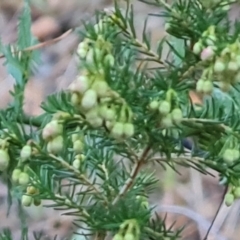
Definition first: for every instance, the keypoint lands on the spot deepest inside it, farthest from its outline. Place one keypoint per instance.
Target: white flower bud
(117, 130)
(23, 178)
(101, 87)
(89, 99)
(26, 153)
(55, 146)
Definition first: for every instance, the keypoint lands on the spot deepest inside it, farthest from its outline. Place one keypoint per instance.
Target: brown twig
(43, 44)
(133, 175)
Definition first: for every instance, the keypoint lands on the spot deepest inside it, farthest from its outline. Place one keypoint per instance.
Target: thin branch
(218, 210)
(79, 175)
(136, 168)
(43, 44)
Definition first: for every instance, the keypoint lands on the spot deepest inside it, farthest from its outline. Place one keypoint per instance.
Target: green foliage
(90, 151)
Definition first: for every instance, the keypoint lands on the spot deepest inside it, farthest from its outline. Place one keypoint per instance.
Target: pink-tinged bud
(89, 99)
(207, 53)
(80, 85)
(52, 129)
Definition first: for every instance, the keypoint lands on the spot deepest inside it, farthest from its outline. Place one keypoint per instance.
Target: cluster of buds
(52, 133)
(230, 151)
(129, 230)
(169, 115)
(20, 177)
(232, 195)
(230, 155)
(206, 46)
(92, 95)
(204, 84)
(96, 54)
(28, 198)
(224, 67)
(4, 155)
(227, 66)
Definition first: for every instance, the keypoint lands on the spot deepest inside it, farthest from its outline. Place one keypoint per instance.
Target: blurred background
(190, 199)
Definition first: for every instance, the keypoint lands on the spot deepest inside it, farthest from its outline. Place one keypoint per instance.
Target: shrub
(99, 136)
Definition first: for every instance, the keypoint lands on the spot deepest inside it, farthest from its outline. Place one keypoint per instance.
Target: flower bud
(236, 192)
(207, 53)
(167, 121)
(80, 85)
(107, 112)
(76, 163)
(75, 99)
(232, 66)
(177, 115)
(101, 87)
(109, 124)
(15, 174)
(199, 85)
(26, 153)
(96, 122)
(229, 199)
(164, 107)
(26, 200)
(78, 146)
(89, 99)
(23, 178)
(31, 190)
(37, 202)
(154, 105)
(83, 49)
(4, 160)
(55, 146)
(52, 129)
(128, 130)
(210, 40)
(118, 236)
(117, 130)
(219, 66)
(228, 156)
(129, 236)
(197, 48)
(207, 87)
